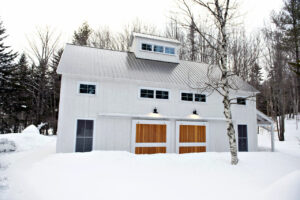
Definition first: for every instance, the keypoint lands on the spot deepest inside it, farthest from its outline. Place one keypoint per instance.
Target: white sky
(21, 17)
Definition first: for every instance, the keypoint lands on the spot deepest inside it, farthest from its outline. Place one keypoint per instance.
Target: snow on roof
(94, 62)
(154, 37)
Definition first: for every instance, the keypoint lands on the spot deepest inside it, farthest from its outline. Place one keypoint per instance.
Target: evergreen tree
(55, 80)
(295, 67)
(7, 67)
(82, 35)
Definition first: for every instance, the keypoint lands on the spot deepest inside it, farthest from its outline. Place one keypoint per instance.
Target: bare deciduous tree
(222, 13)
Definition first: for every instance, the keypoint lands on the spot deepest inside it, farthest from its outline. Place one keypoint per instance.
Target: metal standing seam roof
(154, 37)
(95, 62)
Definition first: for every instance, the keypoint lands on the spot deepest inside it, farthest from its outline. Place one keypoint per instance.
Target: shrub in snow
(7, 145)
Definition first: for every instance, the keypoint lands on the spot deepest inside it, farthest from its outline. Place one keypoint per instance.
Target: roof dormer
(155, 48)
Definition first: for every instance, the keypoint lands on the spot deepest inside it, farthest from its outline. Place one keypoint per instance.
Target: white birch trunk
(225, 86)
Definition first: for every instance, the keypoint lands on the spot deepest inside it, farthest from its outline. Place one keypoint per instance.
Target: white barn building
(143, 101)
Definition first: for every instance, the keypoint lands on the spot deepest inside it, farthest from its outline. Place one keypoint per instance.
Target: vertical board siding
(192, 133)
(191, 149)
(150, 150)
(151, 133)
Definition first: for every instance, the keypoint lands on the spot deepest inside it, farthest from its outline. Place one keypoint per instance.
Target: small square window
(147, 93)
(187, 96)
(200, 97)
(146, 47)
(159, 49)
(162, 94)
(241, 101)
(87, 89)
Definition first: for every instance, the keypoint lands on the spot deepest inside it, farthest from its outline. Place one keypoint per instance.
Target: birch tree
(221, 13)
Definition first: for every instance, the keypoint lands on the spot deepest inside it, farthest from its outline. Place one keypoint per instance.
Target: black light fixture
(195, 112)
(155, 111)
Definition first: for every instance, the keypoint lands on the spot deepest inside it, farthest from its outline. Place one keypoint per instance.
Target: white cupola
(155, 47)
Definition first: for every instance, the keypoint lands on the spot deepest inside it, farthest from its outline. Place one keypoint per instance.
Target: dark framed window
(241, 101)
(158, 48)
(87, 89)
(187, 96)
(84, 135)
(146, 47)
(146, 93)
(243, 137)
(200, 97)
(162, 94)
(170, 50)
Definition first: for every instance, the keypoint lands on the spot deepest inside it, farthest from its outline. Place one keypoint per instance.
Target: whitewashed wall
(114, 96)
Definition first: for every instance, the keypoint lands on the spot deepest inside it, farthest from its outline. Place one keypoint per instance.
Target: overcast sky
(21, 17)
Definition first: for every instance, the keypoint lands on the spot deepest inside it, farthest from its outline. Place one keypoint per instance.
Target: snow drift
(29, 139)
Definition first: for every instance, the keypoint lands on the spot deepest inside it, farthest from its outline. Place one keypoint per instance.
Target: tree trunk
(230, 128)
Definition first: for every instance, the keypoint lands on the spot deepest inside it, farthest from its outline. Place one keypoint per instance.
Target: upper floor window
(145, 93)
(159, 49)
(87, 88)
(146, 47)
(169, 50)
(241, 101)
(186, 96)
(162, 94)
(200, 97)
(153, 93)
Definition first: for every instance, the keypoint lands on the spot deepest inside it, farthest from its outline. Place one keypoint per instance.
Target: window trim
(87, 83)
(242, 98)
(169, 48)
(152, 47)
(154, 89)
(188, 93)
(200, 102)
(163, 48)
(75, 132)
(200, 94)
(155, 52)
(140, 93)
(237, 135)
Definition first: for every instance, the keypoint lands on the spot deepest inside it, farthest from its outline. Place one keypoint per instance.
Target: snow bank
(122, 175)
(29, 139)
(287, 188)
(32, 129)
(42, 174)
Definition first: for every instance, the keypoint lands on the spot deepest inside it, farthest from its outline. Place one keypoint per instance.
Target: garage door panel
(151, 133)
(150, 150)
(195, 149)
(192, 133)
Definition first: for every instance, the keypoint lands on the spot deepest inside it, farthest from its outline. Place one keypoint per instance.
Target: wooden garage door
(192, 138)
(152, 137)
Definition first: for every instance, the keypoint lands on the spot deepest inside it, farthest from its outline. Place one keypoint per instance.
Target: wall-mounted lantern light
(195, 112)
(155, 111)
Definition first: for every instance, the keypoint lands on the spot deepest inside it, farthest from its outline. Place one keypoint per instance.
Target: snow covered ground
(35, 172)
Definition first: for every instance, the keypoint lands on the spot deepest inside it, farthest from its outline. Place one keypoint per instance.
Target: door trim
(133, 135)
(199, 144)
(94, 135)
